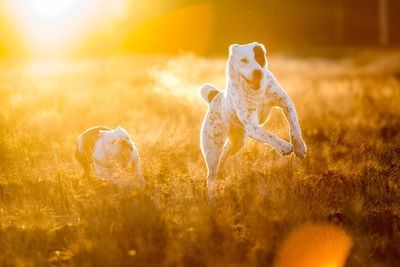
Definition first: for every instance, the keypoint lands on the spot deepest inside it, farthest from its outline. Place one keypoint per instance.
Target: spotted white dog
(237, 112)
(111, 153)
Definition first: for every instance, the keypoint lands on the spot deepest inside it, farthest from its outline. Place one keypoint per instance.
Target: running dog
(237, 112)
(111, 153)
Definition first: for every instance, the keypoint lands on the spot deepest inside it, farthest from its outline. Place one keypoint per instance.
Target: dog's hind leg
(236, 140)
(214, 133)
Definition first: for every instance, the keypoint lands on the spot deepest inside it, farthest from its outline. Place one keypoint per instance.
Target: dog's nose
(257, 75)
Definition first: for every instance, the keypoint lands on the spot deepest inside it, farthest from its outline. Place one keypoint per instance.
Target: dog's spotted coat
(237, 112)
(110, 153)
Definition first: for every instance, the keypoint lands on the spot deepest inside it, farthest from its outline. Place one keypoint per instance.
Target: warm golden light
(67, 199)
(51, 9)
(47, 27)
(190, 28)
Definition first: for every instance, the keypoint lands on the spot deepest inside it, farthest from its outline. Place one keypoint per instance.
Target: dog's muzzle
(255, 83)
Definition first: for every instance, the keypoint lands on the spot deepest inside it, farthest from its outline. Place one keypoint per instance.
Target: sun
(62, 28)
(51, 27)
(51, 9)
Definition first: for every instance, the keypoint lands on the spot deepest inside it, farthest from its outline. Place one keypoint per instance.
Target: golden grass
(350, 116)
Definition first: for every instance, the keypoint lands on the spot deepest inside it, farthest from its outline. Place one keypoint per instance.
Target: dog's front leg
(250, 122)
(285, 103)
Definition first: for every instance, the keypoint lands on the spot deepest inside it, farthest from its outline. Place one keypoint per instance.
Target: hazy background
(99, 27)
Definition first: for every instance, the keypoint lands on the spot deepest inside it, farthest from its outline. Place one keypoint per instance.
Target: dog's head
(247, 63)
(117, 142)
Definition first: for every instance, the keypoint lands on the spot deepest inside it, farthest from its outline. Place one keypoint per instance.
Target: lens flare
(315, 245)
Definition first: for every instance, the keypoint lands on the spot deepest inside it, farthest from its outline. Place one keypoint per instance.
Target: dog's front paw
(300, 148)
(284, 148)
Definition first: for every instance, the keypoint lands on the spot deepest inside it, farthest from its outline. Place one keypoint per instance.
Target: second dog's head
(247, 63)
(117, 142)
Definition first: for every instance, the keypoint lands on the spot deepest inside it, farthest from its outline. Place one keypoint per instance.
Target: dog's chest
(262, 104)
(244, 104)
(264, 110)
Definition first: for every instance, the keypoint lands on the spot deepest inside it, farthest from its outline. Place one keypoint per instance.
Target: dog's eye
(244, 60)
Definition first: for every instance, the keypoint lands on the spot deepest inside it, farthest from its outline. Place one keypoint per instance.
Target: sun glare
(56, 27)
(50, 9)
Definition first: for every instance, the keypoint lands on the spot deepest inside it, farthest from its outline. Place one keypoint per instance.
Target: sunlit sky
(48, 26)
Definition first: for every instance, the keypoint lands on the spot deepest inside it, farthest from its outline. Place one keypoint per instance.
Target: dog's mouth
(255, 84)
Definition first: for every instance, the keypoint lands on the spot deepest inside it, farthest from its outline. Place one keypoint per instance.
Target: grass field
(349, 112)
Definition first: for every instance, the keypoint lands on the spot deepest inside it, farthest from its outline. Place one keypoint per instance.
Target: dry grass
(349, 112)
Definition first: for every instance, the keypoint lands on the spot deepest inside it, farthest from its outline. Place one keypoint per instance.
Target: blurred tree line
(292, 23)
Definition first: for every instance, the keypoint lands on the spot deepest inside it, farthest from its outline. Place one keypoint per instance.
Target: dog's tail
(208, 92)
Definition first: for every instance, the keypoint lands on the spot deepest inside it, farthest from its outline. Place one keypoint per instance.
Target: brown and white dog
(111, 153)
(251, 92)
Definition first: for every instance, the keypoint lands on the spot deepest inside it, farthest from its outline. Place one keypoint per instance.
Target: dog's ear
(258, 44)
(232, 48)
(260, 54)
